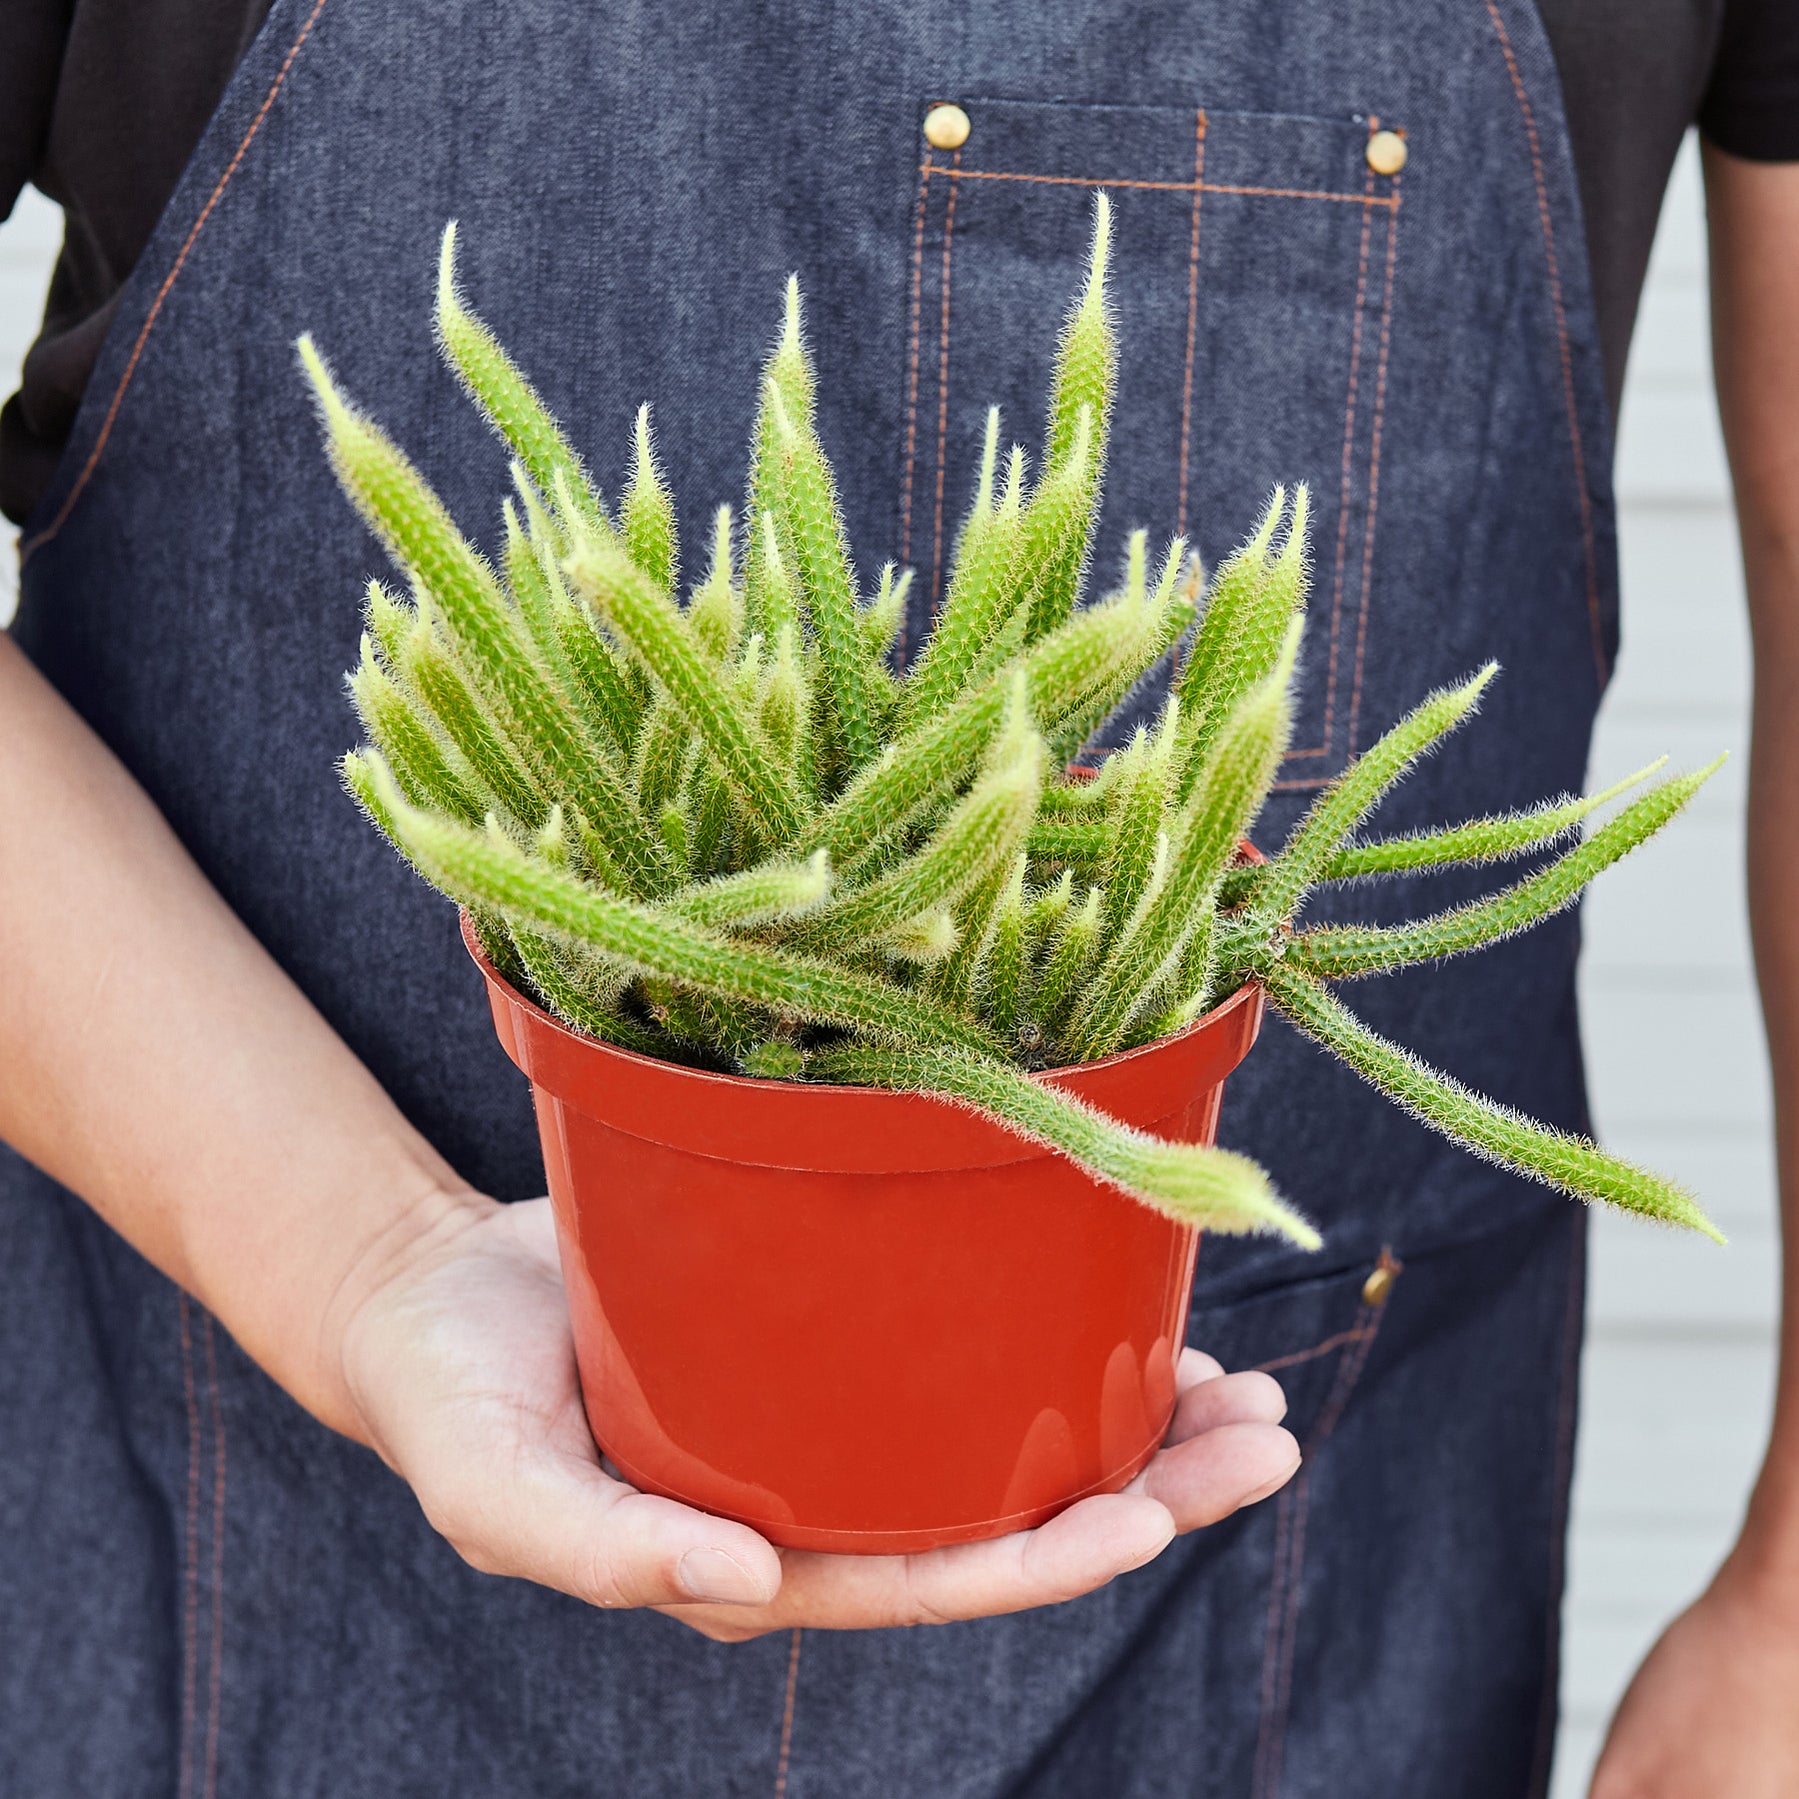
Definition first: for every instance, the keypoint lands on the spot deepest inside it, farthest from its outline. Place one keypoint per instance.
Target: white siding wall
(28, 244)
(1679, 1356)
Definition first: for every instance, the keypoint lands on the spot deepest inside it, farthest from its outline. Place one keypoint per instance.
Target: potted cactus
(877, 1052)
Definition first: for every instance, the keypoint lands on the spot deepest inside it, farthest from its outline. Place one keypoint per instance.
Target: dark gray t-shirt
(102, 102)
(1635, 75)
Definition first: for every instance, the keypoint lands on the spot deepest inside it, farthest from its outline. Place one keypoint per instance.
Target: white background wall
(1680, 1348)
(28, 242)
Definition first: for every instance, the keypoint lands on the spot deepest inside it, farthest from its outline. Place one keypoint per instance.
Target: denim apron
(205, 1593)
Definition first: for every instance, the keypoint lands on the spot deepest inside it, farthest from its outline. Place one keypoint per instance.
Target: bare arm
(1755, 235)
(1711, 1711)
(160, 1064)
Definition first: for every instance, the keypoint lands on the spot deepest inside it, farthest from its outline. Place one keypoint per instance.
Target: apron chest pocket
(1252, 277)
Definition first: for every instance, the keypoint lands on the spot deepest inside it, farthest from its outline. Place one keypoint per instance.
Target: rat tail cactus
(726, 832)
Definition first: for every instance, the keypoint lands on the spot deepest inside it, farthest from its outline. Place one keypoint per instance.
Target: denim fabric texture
(206, 1593)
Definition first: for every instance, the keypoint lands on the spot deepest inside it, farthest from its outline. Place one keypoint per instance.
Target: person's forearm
(1754, 212)
(159, 1063)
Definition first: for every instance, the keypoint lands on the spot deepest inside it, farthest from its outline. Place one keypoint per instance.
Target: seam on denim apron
(190, 1573)
(1289, 1551)
(1285, 1584)
(1380, 413)
(1199, 175)
(1311, 1355)
(924, 189)
(214, 1696)
(1572, 1312)
(1166, 187)
(1347, 489)
(162, 293)
(1390, 201)
(793, 1680)
(949, 232)
(1561, 332)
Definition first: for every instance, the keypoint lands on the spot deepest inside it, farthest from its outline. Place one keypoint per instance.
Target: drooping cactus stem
(1572, 1164)
(1210, 1187)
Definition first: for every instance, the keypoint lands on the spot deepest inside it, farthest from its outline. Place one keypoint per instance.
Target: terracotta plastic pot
(856, 1320)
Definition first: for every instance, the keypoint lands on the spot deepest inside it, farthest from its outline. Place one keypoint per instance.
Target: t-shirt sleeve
(35, 34)
(1751, 106)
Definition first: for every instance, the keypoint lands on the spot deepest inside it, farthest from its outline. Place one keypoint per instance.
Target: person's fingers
(1248, 1398)
(1226, 1466)
(1219, 1471)
(1095, 1541)
(1237, 1456)
(566, 1524)
(1194, 1366)
(1081, 1549)
(1227, 1451)
(534, 1225)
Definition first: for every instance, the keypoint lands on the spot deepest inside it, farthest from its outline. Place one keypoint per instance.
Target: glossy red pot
(857, 1320)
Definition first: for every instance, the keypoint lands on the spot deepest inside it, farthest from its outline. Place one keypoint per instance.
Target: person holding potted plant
(762, 929)
(269, 1578)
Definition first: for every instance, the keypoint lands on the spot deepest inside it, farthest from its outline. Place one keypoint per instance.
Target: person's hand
(459, 1361)
(1714, 1709)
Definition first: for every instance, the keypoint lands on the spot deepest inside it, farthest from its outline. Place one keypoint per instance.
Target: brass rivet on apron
(1386, 153)
(1379, 1284)
(946, 127)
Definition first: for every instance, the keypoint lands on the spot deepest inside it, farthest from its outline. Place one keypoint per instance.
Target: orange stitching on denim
(1343, 497)
(1380, 408)
(162, 293)
(1199, 170)
(1289, 1558)
(1286, 1583)
(215, 1690)
(1296, 193)
(1561, 332)
(1271, 1736)
(1171, 187)
(793, 1681)
(924, 186)
(1349, 1372)
(949, 232)
(1293, 1492)
(1312, 1354)
(190, 1574)
(1289, 1636)
(1572, 1313)
(1300, 782)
